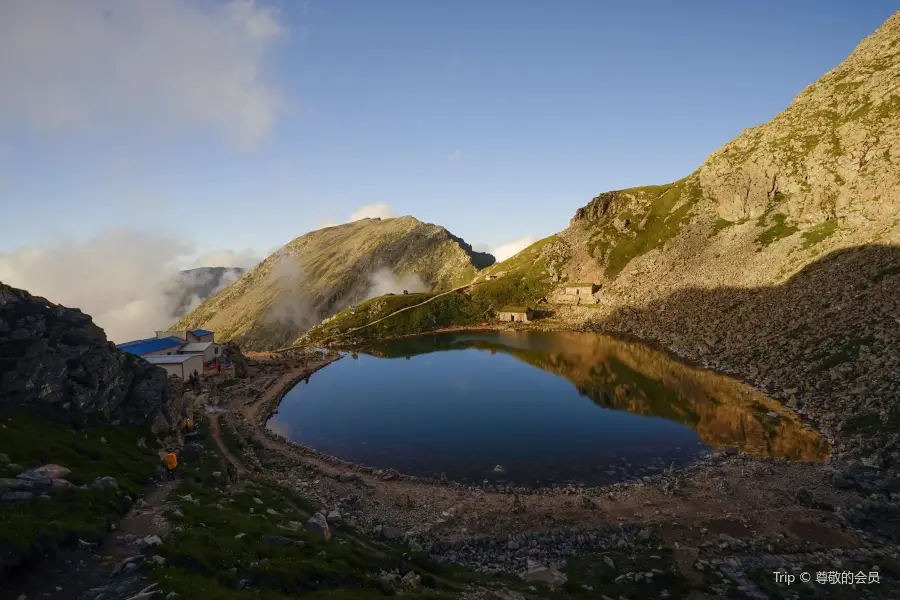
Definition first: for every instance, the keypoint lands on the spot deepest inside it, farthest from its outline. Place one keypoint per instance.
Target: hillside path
(472, 283)
(86, 572)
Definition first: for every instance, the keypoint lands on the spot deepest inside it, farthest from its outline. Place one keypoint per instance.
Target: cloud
(509, 249)
(373, 211)
(84, 64)
(244, 259)
(384, 281)
(123, 278)
(325, 222)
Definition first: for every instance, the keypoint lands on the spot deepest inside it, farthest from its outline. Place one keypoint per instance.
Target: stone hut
(520, 314)
(581, 289)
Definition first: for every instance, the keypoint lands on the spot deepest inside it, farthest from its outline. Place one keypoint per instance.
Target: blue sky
(496, 119)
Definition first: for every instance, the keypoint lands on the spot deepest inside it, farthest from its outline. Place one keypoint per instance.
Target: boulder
(546, 575)
(105, 483)
(45, 472)
(412, 581)
(334, 517)
(318, 525)
(391, 533)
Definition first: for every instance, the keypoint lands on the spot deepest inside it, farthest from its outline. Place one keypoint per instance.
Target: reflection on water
(464, 403)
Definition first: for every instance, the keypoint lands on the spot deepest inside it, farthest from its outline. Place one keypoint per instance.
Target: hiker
(232, 473)
(171, 462)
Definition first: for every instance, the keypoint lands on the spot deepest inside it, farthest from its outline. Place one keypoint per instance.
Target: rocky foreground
(727, 521)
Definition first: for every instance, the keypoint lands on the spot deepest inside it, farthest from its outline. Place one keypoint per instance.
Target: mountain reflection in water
(544, 407)
(630, 376)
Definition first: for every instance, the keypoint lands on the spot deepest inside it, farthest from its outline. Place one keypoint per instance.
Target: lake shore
(728, 507)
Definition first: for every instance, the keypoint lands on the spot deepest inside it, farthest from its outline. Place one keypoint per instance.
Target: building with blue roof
(152, 346)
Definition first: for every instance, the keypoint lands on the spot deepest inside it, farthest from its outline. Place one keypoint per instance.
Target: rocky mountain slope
(192, 286)
(327, 270)
(54, 360)
(776, 260)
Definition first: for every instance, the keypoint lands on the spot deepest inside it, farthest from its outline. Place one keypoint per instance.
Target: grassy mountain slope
(327, 270)
(822, 175)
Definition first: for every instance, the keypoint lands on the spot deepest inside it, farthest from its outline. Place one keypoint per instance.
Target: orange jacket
(171, 460)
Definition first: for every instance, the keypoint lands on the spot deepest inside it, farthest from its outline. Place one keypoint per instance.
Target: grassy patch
(69, 514)
(819, 233)
(778, 229)
(655, 216)
(590, 576)
(251, 541)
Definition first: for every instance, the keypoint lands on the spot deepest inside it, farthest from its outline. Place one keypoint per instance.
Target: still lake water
(531, 408)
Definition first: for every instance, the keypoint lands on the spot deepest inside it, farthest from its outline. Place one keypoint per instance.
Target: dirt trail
(87, 571)
(223, 448)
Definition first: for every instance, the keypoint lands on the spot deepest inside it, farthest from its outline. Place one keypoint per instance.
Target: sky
(211, 132)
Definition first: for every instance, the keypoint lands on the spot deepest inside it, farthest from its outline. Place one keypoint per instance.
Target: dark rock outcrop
(54, 359)
(232, 353)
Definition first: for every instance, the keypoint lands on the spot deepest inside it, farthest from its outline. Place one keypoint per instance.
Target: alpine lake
(532, 409)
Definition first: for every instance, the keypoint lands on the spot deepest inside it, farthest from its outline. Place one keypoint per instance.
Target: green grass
(819, 233)
(655, 215)
(70, 514)
(206, 558)
(779, 229)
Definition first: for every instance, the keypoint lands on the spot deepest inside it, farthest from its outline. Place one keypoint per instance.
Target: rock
(151, 541)
(44, 473)
(17, 497)
(412, 581)
(53, 355)
(391, 533)
(318, 525)
(609, 562)
(546, 575)
(105, 483)
(512, 545)
(16, 485)
(4, 460)
(334, 517)
(157, 559)
(240, 536)
(348, 477)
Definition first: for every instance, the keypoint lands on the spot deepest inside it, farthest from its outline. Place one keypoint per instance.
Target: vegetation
(68, 515)
(818, 233)
(250, 540)
(647, 218)
(778, 229)
(520, 280)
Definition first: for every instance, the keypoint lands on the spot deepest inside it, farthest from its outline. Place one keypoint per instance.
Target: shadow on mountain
(826, 340)
(631, 376)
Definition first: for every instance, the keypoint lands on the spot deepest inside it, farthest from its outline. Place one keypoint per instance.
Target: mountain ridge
(329, 269)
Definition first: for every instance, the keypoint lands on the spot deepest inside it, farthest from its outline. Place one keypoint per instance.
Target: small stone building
(581, 289)
(519, 314)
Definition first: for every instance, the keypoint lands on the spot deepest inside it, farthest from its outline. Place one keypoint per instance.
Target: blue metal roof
(141, 347)
(199, 332)
(125, 344)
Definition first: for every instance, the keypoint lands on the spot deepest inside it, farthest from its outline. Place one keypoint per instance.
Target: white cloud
(384, 281)
(373, 211)
(74, 64)
(245, 259)
(122, 277)
(325, 222)
(509, 249)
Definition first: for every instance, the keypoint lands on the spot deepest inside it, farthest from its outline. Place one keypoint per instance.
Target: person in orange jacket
(171, 463)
